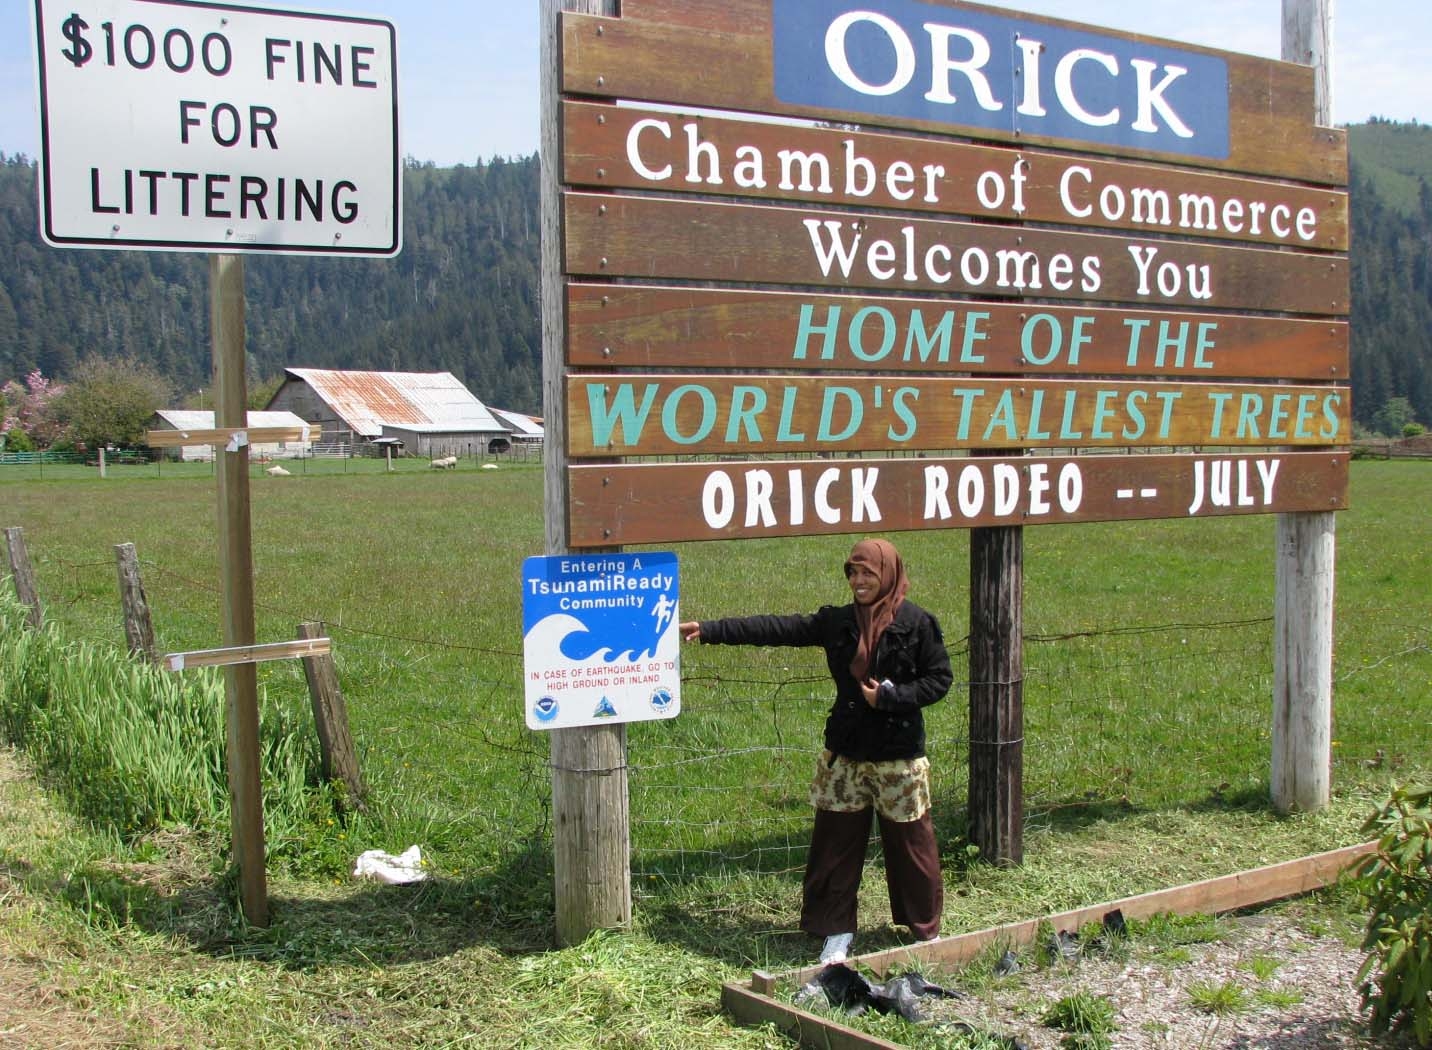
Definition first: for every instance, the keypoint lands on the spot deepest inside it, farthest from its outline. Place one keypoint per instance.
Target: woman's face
(864, 584)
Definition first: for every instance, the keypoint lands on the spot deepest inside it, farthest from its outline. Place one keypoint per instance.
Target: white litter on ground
(384, 867)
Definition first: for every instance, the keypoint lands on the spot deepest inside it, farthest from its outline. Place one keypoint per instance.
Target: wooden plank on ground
(1225, 893)
(806, 1028)
(644, 326)
(615, 235)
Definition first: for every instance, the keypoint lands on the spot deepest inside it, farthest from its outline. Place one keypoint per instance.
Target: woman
(887, 658)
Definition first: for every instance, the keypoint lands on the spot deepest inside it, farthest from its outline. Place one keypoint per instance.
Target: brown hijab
(881, 558)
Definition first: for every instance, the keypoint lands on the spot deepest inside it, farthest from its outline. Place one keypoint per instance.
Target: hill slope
(463, 295)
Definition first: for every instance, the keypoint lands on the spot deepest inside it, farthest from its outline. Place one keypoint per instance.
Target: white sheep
(446, 463)
(276, 471)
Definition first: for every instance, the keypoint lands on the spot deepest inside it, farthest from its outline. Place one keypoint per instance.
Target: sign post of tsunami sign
(600, 639)
(170, 125)
(892, 233)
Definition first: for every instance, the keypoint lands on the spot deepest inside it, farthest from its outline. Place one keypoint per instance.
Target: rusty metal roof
(432, 401)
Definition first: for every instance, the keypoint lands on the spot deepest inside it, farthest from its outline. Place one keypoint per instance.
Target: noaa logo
(545, 709)
(661, 700)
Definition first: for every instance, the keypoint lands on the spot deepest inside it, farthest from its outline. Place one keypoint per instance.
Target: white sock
(836, 947)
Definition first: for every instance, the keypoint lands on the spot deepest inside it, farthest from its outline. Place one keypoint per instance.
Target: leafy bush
(1395, 979)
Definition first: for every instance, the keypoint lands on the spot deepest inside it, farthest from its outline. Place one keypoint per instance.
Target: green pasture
(1148, 664)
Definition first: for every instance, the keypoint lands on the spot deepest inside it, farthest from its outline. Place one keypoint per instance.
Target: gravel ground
(1307, 1002)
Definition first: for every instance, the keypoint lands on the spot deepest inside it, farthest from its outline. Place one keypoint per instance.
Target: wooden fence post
(23, 575)
(996, 774)
(138, 625)
(335, 741)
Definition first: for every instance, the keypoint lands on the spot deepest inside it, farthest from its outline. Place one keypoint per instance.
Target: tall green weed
(133, 748)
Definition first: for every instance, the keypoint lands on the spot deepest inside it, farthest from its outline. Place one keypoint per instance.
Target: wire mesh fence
(1131, 716)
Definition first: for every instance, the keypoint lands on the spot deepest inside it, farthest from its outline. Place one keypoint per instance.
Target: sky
(468, 69)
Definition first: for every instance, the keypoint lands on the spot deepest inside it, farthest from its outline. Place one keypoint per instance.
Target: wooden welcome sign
(922, 229)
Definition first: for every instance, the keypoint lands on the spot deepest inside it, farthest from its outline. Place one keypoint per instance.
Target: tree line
(462, 296)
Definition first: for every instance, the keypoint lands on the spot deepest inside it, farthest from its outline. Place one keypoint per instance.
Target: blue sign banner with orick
(600, 638)
(962, 66)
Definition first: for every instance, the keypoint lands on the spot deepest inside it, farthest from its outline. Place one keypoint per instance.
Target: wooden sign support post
(996, 733)
(590, 815)
(1306, 543)
(226, 323)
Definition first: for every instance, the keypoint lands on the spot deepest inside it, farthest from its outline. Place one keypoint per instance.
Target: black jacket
(910, 655)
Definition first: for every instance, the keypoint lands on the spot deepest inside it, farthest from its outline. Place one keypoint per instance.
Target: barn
(431, 413)
(524, 430)
(191, 420)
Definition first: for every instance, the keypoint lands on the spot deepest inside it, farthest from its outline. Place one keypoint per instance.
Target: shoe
(836, 947)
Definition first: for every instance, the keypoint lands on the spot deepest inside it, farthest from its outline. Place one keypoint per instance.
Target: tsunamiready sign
(600, 639)
(178, 126)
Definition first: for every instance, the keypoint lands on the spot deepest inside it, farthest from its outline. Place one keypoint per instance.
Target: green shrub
(1395, 979)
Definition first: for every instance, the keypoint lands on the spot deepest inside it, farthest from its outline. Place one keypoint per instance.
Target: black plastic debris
(845, 989)
(1114, 924)
(1064, 945)
(1008, 964)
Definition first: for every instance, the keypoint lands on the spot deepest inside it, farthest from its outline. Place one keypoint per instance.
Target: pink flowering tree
(28, 410)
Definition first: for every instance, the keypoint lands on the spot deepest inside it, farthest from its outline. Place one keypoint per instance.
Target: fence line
(722, 789)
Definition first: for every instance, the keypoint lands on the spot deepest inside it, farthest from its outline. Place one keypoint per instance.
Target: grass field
(1148, 680)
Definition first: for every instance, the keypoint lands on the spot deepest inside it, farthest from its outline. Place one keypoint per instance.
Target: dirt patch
(1265, 983)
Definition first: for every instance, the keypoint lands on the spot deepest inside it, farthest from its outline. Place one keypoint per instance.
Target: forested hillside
(1391, 268)
(462, 296)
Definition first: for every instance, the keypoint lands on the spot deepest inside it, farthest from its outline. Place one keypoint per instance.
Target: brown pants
(837, 859)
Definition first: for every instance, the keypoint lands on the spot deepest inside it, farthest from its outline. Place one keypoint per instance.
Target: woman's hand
(690, 631)
(871, 689)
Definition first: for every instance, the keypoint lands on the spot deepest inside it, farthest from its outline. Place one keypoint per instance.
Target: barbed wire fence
(722, 789)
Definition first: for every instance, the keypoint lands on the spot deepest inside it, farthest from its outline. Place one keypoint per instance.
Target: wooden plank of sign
(646, 326)
(615, 235)
(655, 414)
(674, 502)
(221, 436)
(717, 65)
(819, 165)
(247, 654)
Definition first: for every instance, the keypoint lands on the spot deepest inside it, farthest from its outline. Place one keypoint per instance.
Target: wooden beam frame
(754, 1003)
(247, 654)
(223, 435)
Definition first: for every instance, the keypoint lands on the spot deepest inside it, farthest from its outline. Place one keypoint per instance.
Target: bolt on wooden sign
(901, 229)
